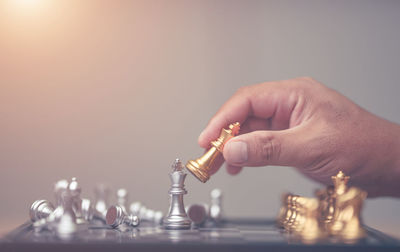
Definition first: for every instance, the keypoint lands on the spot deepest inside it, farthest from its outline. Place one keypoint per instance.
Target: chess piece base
(114, 214)
(194, 168)
(176, 222)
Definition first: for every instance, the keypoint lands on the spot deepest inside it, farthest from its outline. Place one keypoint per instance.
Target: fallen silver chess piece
(200, 214)
(116, 217)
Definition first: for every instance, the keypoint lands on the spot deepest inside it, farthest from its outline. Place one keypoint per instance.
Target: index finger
(258, 100)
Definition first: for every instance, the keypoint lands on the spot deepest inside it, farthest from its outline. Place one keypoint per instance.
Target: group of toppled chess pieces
(73, 213)
(334, 214)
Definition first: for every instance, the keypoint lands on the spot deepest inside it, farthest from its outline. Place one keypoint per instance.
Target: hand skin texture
(303, 124)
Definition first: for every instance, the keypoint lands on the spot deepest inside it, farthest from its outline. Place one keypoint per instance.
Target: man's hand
(303, 124)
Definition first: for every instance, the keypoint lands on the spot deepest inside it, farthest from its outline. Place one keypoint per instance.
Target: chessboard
(228, 235)
(329, 222)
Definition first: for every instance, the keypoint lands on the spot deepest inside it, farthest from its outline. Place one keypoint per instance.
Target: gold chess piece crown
(200, 167)
(340, 182)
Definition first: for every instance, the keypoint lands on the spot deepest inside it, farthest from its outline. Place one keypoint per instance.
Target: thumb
(260, 148)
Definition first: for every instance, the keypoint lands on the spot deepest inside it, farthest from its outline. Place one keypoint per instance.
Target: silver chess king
(177, 217)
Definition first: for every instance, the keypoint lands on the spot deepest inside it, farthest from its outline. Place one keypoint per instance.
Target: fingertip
(233, 170)
(235, 151)
(202, 141)
(210, 133)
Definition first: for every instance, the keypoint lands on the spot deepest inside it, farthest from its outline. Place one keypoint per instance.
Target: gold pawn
(308, 227)
(283, 212)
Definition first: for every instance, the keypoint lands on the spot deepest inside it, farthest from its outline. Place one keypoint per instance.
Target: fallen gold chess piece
(335, 213)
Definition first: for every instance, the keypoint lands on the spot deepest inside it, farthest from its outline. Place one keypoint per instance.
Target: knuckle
(243, 90)
(268, 149)
(251, 89)
(307, 82)
(306, 86)
(307, 79)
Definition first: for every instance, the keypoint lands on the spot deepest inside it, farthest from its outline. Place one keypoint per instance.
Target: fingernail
(237, 152)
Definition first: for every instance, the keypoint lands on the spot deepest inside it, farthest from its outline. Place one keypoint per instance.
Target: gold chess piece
(326, 204)
(307, 226)
(290, 221)
(284, 209)
(289, 210)
(346, 222)
(340, 183)
(299, 216)
(200, 167)
(335, 212)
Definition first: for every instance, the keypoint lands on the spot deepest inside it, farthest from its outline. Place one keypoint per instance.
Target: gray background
(114, 91)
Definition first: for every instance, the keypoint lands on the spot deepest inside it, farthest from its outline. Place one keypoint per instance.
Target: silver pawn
(116, 217)
(122, 199)
(177, 217)
(149, 215)
(135, 208)
(153, 216)
(40, 209)
(60, 189)
(102, 196)
(66, 221)
(75, 191)
(158, 217)
(87, 209)
(216, 205)
(145, 214)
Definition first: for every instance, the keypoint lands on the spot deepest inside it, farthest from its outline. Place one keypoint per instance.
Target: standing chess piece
(122, 199)
(102, 196)
(87, 209)
(65, 223)
(326, 199)
(295, 217)
(307, 225)
(40, 209)
(292, 214)
(200, 167)
(216, 212)
(289, 210)
(153, 216)
(116, 217)
(158, 217)
(60, 189)
(177, 217)
(346, 223)
(75, 191)
(145, 214)
(284, 209)
(135, 207)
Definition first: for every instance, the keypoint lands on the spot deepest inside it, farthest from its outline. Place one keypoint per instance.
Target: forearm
(391, 167)
(396, 161)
